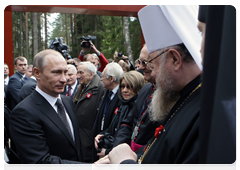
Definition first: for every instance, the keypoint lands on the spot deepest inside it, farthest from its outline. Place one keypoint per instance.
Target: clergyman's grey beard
(161, 105)
(164, 98)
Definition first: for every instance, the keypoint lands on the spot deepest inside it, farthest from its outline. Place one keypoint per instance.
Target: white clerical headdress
(167, 25)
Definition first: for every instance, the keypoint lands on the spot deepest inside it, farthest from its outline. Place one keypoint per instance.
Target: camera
(119, 54)
(86, 42)
(58, 44)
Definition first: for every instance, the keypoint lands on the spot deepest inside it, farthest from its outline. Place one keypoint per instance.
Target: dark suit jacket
(5, 91)
(114, 104)
(15, 83)
(39, 133)
(27, 89)
(74, 91)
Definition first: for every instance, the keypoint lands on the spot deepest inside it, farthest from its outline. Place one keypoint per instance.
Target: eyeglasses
(149, 64)
(142, 62)
(123, 86)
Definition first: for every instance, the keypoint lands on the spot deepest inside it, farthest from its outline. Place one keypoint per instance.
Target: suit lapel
(71, 114)
(47, 110)
(75, 91)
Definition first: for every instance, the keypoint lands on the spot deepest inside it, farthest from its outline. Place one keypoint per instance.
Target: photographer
(124, 58)
(59, 45)
(101, 57)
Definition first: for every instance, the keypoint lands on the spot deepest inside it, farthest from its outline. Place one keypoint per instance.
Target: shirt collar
(51, 100)
(115, 90)
(73, 86)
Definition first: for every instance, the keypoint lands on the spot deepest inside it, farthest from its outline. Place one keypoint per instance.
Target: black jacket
(39, 133)
(125, 109)
(146, 128)
(113, 107)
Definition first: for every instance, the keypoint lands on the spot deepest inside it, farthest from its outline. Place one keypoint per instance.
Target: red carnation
(158, 131)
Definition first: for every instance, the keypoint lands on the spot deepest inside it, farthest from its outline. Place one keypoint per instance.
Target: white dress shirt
(6, 80)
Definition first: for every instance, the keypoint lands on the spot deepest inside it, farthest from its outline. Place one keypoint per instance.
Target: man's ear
(111, 78)
(36, 73)
(91, 75)
(176, 59)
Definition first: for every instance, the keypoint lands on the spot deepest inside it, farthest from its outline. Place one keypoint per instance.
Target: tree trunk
(127, 38)
(82, 24)
(76, 32)
(27, 46)
(71, 29)
(95, 30)
(39, 33)
(21, 33)
(35, 33)
(46, 39)
(66, 29)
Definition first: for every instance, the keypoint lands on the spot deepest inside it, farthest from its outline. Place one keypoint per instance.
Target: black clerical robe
(178, 142)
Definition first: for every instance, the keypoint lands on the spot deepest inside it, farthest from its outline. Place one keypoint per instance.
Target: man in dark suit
(110, 103)
(16, 81)
(43, 126)
(27, 88)
(72, 82)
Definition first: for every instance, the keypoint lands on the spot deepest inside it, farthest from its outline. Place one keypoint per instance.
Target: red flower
(89, 95)
(116, 110)
(158, 131)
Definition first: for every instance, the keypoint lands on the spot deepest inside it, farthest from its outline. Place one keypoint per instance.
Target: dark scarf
(125, 108)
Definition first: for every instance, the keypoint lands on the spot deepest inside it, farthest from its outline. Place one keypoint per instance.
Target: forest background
(113, 33)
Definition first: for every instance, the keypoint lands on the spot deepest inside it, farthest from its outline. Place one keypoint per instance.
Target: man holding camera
(122, 58)
(101, 57)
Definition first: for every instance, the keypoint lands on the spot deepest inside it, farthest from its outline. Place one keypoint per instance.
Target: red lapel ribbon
(89, 95)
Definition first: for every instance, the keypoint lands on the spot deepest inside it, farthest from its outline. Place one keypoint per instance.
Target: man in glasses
(173, 43)
(143, 65)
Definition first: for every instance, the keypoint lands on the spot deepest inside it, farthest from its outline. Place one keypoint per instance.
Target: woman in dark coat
(130, 85)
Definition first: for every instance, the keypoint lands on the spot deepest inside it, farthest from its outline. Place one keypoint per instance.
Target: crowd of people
(93, 110)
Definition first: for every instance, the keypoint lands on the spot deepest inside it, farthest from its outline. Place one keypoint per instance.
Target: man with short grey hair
(89, 93)
(110, 103)
(72, 82)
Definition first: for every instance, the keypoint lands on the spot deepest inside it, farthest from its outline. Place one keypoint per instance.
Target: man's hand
(115, 56)
(120, 153)
(94, 49)
(96, 140)
(103, 160)
(102, 153)
(125, 59)
(94, 167)
(70, 61)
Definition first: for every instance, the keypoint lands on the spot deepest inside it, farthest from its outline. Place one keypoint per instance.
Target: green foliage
(19, 34)
(135, 34)
(112, 36)
(108, 30)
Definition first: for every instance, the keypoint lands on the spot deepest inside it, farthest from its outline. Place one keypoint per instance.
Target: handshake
(115, 157)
